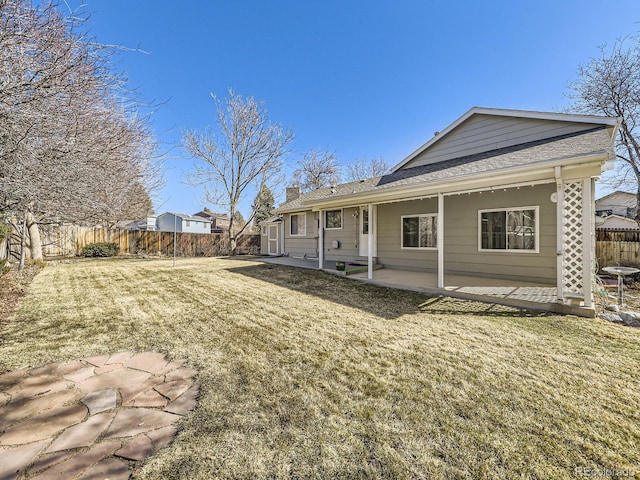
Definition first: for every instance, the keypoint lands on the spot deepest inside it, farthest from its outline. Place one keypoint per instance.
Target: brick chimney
(292, 193)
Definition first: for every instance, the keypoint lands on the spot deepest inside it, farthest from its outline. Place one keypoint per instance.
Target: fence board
(617, 247)
(69, 240)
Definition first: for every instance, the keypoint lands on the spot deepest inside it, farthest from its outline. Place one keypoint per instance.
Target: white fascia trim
(572, 117)
(464, 182)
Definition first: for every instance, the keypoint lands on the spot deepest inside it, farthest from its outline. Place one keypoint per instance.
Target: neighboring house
(168, 222)
(219, 221)
(503, 194)
(622, 205)
(616, 222)
(148, 224)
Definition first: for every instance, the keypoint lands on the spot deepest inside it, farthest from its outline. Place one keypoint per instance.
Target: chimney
(292, 193)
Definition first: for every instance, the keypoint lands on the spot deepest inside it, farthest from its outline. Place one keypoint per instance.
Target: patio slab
(70, 420)
(531, 296)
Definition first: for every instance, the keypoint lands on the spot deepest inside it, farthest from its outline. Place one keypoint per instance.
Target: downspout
(321, 241)
(370, 243)
(559, 235)
(440, 240)
(282, 230)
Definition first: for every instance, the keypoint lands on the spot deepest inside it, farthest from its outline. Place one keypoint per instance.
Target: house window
(299, 224)
(333, 219)
(509, 229)
(264, 230)
(188, 223)
(420, 231)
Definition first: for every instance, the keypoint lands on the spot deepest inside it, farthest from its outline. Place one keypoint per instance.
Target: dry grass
(307, 375)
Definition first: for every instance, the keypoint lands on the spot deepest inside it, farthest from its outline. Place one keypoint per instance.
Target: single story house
(169, 222)
(504, 194)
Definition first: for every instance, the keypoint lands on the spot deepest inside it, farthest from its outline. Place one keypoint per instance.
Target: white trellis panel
(572, 236)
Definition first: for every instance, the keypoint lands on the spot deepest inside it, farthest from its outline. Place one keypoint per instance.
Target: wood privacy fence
(618, 247)
(69, 240)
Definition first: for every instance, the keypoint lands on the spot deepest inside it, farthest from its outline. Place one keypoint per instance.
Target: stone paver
(137, 449)
(23, 407)
(108, 468)
(130, 392)
(100, 401)
(117, 378)
(163, 436)
(174, 389)
(43, 425)
(12, 461)
(133, 421)
(148, 398)
(83, 434)
(93, 418)
(185, 402)
(80, 374)
(148, 361)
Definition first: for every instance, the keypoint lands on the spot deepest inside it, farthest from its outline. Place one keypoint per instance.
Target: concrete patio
(534, 296)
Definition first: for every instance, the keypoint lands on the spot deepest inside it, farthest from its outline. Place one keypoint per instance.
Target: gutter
(461, 183)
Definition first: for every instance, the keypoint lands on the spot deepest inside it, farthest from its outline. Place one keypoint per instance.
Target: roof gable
(483, 130)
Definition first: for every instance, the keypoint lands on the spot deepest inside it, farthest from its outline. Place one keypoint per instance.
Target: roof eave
(464, 182)
(612, 122)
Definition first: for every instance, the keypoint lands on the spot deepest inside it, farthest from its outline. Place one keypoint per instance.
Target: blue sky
(363, 78)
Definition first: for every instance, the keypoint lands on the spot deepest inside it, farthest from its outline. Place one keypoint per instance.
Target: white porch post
(370, 243)
(440, 240)
(282, 230)
(559, 234)
(587, 242)
(321, 241)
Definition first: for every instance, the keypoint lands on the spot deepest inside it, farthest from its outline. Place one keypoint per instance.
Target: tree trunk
(232, 245)
(23, 244)
(34, 237)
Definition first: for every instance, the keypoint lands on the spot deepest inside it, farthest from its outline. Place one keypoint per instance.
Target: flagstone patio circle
(97, 416)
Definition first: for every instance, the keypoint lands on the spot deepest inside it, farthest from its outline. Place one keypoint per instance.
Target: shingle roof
(549, 150)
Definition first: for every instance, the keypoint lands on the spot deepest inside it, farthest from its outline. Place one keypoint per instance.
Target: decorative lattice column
(573, 247)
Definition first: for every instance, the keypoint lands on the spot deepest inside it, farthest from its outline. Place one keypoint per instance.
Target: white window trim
(304, 215)
(264, 230)
(402, 247)
(509, 251)
(341, 219)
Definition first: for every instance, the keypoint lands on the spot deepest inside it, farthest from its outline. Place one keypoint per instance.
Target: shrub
(4, 267)
(100, 250)
(5, 231)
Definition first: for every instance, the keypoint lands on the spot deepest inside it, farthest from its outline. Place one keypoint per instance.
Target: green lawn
(309, 375)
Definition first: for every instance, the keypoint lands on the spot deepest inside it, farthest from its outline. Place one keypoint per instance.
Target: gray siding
(390, 251)
(482, 133)
(348, 238)
(461, 255)
(298, 246)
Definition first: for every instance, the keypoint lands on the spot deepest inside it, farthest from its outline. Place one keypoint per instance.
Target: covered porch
(534, 296)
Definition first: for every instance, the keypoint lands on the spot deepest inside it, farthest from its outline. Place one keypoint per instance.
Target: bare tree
(72, 144)
(317, 169)
(610, 85)
(366, 168)
(247, 150)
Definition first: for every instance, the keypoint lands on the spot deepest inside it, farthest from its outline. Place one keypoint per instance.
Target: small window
(188, 223)
(365, 221)
(264, 230)
(299, 224)
(420, 231)
(509, 229)
(333, 219)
